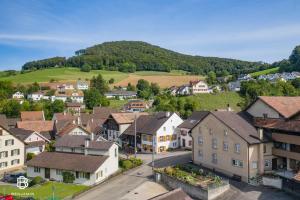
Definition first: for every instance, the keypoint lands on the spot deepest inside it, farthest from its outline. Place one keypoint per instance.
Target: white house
(90, 160)
(11, 152)
(184, 90)
(34, 141)
(18, 95)
(36, 96)
(82, 85)
(234, 86)
(158, 129)
(198, 87)
(74, 95)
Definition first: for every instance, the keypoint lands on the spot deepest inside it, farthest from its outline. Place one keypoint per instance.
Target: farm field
(218, 101)
(164, 79)
(264, 72)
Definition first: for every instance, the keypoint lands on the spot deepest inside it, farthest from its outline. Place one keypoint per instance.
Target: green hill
(130, 56)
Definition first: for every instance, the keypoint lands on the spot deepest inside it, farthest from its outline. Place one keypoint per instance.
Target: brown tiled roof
(20, 133)
(67, 129)
(193, 119)
(148, 124)
(286, 106)
(64, 116)
(94, 125)
(32, 116)
(79, 141)
(105, 111)
(177, 194)
(239, 125)
(278, 124)
(126, 117)
(38, 126)
(67, 161)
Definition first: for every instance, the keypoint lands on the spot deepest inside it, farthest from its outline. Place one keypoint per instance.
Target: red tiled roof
(286, 106)
(37, 126)
(278, 124)
(32, 116)
(126, 118)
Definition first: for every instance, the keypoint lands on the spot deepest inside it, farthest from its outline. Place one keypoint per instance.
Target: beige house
(226, 142)
(11, 152)
(199, 87)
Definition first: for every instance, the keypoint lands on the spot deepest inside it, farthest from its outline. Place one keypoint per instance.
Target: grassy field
(218, 101)
(164, 79)
(61, 190)
(117, 104)
(264, 72)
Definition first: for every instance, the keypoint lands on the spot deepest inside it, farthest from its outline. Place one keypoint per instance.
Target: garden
(192, 175)
(132, 162)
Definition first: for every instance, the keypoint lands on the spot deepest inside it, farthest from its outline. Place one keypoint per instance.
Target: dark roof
(3, 121)
(20, 133)
(121, 93)
(177, 194)
(148, 124)
(12, 122)
(79, 141)
(35, 144)
(278, 124)
(239, 125)
(67, 161)
(193, 120)
(103, 112)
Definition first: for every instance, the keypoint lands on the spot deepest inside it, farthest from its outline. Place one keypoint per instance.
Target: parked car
(12, 178)
(7, 197)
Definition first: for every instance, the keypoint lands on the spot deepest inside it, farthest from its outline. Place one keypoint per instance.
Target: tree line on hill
(131, 56)
(290, 64)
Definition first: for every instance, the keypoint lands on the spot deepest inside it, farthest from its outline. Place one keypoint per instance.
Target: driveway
(119, 186)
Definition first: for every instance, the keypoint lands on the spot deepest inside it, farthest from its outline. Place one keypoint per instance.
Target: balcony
(285, 138)
(286, 154)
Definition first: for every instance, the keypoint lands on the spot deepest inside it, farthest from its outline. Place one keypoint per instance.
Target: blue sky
(255, 30)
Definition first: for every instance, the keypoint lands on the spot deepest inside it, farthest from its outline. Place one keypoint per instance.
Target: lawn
(218, 101)
(61, 190)
(264, 72)
(117, 104)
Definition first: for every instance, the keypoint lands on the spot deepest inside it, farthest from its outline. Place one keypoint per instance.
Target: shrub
(126, 164)
(36, 180)
(29, 156)
(68, 177)
(136, 161)
(111, 81)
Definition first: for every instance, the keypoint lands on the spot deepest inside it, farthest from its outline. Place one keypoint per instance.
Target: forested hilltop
(130, 56)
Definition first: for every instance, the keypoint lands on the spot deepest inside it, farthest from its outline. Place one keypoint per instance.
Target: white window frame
(214, 143)
(200, 139)
(254, 164)
(237, 148)
(225, 146)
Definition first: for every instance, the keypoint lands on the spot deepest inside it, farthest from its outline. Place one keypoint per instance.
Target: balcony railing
(286, 154)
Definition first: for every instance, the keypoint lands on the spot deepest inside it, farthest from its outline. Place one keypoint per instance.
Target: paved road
(119, 186)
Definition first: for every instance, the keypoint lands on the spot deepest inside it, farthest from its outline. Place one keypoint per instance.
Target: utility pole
(153, 151)
(135, 150)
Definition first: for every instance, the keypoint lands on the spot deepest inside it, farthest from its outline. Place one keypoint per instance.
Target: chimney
(92, 136)
(167, 114)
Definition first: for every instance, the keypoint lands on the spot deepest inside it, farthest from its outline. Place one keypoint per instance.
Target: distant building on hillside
(82, 85)
(18, 95)
(198, 87)
(136, 105)
(122, 94)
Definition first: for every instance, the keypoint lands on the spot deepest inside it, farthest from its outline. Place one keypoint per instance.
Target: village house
(121, 94)
(32, 116)
(18, 95)
(158, 129)
(72, 95)
(136, 106)
(184, 90)
(37, 96)
(89, 159)
(74, 107)
(186, 126)
(117, 123)
(34, 141)
(11, 151)
(226, 142)
(199, 87)
(234, 86)
(82, 85)
(279, 118)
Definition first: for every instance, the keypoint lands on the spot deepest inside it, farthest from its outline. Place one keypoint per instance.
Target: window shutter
(13, 142)
(77, 174)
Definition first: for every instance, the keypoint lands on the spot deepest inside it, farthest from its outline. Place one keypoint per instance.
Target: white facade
(36, 96)
(261, 109)
(35, 137)
(18, 95)
(11, 152)
(74, 97)
(81, 85)
(199, 87)
(78, 131)
(166, 137)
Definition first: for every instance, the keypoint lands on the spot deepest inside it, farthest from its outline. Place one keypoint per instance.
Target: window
(254, 164)
(116, 153)
(200, 139)
(144, 137)
(164, 128)
(9, 142)
(87, 175)
(225, 133)
(173, 128)
(161, 138)
(267, 163)
(3, 164)
(99, 174)
(58, 172)
(214, 143)
(190, 143)
(174, 137)
(15, 152)
(265, 115)
(214, 158)
(174, 144)
(4, 154)
(80, 175)
(37, 169)
(210, 131)
(265, 148)
(200, 155)
(225, 146)
(167, 137)
(237, 148)
(15, 162)
(237, 163)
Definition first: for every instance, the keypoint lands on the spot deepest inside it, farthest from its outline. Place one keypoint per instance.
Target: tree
(111, 81)
(11, 108)
(143, 85)
(130, 87)
(296, 83)
(127, 67)
(154, 87)
(92, 98)
(99, 84)
(211, 78)
(86, 68)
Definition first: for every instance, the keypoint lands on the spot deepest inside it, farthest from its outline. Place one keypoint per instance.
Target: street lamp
(135, 150)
